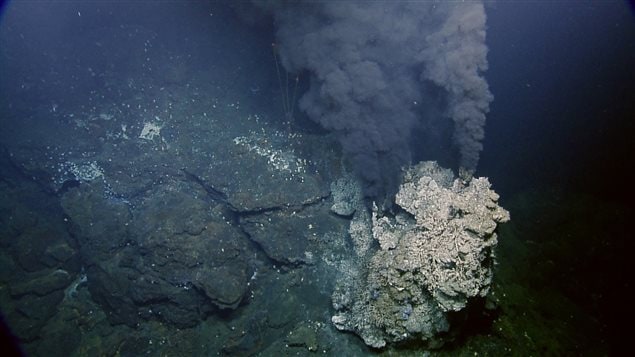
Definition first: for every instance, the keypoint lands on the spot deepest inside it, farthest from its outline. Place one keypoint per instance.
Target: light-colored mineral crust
(434, 254)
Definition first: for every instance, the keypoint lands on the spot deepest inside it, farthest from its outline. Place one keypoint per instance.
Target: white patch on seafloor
(150, 131)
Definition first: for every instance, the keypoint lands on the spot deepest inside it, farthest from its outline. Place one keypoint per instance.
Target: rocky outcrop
(435, 253)
(170, 255)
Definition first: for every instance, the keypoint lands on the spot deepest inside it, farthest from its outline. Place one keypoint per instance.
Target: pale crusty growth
(433, 255)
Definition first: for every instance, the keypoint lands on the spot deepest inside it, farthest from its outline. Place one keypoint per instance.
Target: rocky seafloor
(205, 227)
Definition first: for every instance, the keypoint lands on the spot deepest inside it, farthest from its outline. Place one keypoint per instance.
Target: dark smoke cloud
(454, 58)
(370, 63)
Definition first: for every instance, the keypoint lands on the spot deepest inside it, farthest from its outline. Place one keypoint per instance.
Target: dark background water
(561, 131)
(563, 78)
(559, 137)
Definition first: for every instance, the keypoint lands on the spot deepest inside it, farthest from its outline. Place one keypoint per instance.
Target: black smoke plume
(371, 65)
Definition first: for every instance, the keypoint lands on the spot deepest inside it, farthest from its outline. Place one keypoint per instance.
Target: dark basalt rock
(175, 258)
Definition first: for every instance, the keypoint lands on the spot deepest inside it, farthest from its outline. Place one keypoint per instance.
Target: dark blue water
(563, 78)
(559, 135)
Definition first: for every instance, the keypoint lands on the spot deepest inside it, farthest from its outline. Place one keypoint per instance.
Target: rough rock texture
(348, 202)
(37, 259)
(290, 236)
(170, 177)
(171, 254)
(346, 196)
(434, 254)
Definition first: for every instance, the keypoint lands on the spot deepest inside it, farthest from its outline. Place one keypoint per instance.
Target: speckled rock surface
(176, 257)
